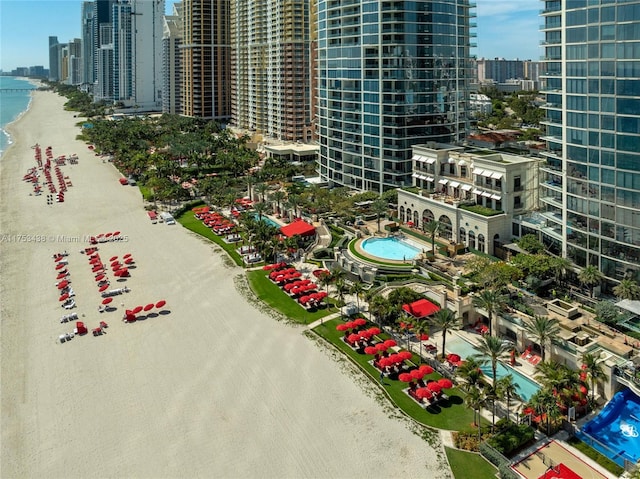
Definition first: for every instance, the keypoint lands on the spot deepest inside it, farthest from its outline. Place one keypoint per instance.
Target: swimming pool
(390, 248)
(618, 427)
(267, 220)
(463, 348)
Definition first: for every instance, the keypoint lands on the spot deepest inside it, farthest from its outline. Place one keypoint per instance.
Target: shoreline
(211, 387)
(6, 130)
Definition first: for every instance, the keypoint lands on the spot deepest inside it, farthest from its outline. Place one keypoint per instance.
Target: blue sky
(506, 28)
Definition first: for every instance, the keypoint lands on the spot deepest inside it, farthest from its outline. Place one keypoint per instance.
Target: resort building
(590, 184)
(390, 75)
(54, 61)
(171, 62)
(88, 70)
(474, 194)
(137, 54)
(205, 54)
(271, 86)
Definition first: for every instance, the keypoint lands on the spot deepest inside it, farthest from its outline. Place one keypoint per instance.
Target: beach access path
(213, 388)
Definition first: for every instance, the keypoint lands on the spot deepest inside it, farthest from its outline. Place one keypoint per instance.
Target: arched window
(463, 235)
(402, 213)
(427, 216)
(472, 240)
(496, 241)
(445, 227)
(408, 218)
(481, 243)
(416, 219)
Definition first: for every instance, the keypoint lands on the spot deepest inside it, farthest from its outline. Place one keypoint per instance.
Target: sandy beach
(212, 388)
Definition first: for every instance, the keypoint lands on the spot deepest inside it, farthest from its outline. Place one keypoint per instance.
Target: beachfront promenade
(214, 388)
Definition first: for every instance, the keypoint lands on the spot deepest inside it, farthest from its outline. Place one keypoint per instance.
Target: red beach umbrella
(453, 358)
(386, 362)
(434, 387)
(127, 255)
(58, 259)
(371, 350)
(426, 369)
(359, 321)
(64, 297)
(352, 338)
(390, 343)
(405, 355)
(424, 337)
(96, 269)
(374, 330)
(161, 303)
(350, 325)
(100, 277)
(445, 383)
(405, 377)
(107, 300)
(365, 334)
(137, 309)
(59, 266)
(116, 233)
(108, 235)
(103, 288)
(63, 284)
(423, 393)
(113, 258)
(381, 347)
(148, 307)
(128, 260)
(115, 263)
(61, 275)
(416, 374)
(342, 327)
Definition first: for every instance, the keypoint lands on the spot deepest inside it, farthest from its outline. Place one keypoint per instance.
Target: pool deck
(536, 462)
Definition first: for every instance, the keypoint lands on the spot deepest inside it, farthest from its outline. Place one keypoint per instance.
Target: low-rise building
(474, 194)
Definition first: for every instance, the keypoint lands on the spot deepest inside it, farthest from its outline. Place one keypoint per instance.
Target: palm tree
(261, 209)
(594, 372)
(293, 201)
(491, 396)
(261, 189)
(357, 289)
(420, 327)
(493, 348)
(341, 289)
(471, 373)
(278, 197)
(446, 320)
(432, 228)
(508, 389)
(590, 277)
(492, 302)
(379, 307)
(560, 267)
(627, 289)
(475, 400)
(542, 329)
(379, 207)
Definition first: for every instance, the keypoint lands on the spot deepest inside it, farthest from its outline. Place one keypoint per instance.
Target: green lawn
(189, 221)
(450, 414)
(469, 464)
(274, 297)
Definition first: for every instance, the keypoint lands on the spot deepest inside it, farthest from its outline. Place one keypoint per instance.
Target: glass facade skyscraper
(591, 194)
(391, 74)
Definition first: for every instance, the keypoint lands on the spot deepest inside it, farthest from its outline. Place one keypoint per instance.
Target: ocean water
(12, 104)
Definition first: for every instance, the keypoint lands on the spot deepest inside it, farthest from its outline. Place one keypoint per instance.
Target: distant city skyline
(506, 29)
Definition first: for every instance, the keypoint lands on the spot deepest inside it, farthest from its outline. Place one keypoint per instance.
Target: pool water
(267, 220)
(616, 429)
(390, 248)
(526, 387)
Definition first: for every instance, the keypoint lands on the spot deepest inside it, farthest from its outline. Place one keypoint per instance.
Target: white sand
(216, 388)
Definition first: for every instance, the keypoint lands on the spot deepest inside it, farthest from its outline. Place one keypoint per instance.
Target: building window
(516, 202)
(517, 184)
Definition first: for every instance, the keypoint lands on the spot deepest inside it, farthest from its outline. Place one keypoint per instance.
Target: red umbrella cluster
(62, 275)
(218, 223)
(275, 266)
(284, 275)
(130, 314)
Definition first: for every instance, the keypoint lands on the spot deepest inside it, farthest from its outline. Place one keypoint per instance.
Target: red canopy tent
(298, 227)
(421, 308)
